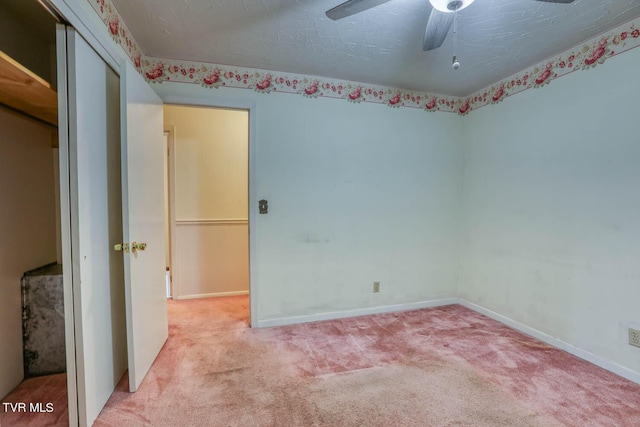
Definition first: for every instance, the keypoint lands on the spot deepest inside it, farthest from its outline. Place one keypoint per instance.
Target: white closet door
(95, 194)
(143, 189)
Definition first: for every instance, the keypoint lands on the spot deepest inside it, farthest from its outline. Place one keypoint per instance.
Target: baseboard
(544, 337)
(555, 342)
(281, 321)
(212, 295)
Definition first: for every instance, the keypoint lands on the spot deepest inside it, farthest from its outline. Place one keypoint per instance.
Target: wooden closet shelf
(24, 91)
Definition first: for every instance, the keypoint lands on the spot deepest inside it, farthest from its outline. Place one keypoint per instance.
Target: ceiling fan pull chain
(455, 31)
(455, 64)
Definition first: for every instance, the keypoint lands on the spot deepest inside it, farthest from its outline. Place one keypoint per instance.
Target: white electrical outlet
(376, 286)
(634, 337)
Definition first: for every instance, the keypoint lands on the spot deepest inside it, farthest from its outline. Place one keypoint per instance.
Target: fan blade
(437, 29)
(557, 1)
(352, 7)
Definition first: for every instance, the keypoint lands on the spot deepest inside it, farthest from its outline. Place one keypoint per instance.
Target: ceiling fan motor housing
(450, 5)
(454, 5)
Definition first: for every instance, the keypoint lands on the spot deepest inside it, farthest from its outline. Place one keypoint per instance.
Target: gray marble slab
(43, 321)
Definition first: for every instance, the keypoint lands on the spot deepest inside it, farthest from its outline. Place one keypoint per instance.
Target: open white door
(143, 222)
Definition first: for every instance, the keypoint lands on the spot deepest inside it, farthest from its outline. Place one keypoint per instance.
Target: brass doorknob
(138, 246)
(124, 247)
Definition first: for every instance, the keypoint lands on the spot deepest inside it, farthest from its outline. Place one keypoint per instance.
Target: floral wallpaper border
(215, 76)
(589, 54)
(585, 56)
(118, 30)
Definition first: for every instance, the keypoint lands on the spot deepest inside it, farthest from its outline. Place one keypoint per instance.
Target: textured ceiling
(496, 38)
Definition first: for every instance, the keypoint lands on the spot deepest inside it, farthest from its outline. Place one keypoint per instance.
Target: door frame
(171, 134)
(234, 104)
(64, 175)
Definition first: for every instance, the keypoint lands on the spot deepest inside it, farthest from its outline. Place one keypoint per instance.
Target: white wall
(211, 164)
(211, 194)
(27, 228)
(357, 193)
(212, 259)
(552, 203)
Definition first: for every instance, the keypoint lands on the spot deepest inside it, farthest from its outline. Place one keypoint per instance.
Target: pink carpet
(50, 389)
(446, 366)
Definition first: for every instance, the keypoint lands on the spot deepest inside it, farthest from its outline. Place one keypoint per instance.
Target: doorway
(208, 211)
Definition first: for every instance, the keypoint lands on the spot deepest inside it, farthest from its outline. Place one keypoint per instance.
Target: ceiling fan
(437, 26)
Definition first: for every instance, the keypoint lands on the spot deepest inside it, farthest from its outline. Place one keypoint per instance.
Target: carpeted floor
(48, 393)
(446, 366)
